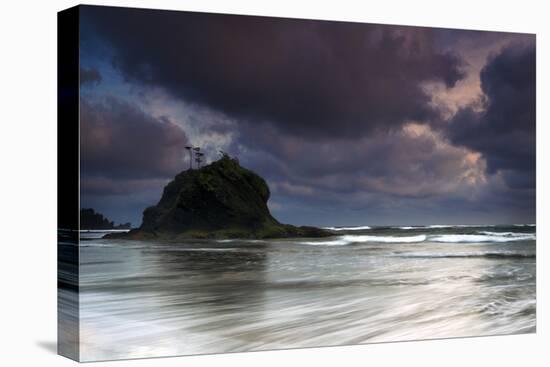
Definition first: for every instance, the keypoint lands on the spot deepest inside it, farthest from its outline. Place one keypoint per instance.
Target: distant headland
(220, 200)
(90, 219)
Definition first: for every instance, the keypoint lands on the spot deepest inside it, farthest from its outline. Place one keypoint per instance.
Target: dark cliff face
(221, 200)
(222, 195)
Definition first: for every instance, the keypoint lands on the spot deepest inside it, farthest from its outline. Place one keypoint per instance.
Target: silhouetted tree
(190, 149)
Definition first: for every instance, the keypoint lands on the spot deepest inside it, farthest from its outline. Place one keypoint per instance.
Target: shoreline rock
(222, 200)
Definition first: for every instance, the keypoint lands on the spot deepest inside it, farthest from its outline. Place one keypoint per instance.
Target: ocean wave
(350, 239)
(475, 238)
(443, 226)
(435, 226)
(506, 234)
(487, 255)
(239, 240)
(340, 242)
(446, 238)
(446, 226)
(358, 228)
(387, 239)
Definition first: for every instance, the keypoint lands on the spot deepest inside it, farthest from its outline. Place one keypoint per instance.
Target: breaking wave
(358, 228)
(350, 239)
(483, 237)
(486, 237)
(434, 226)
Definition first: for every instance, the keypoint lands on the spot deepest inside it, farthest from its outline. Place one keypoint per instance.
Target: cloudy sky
(349, 123)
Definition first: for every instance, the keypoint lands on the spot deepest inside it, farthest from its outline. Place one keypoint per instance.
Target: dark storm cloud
(412, 162)
(94, 185)
(505, 131)
(89, 76)
(307, 77)
(119, 140)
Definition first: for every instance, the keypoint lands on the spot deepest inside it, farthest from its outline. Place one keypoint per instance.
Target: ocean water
(362, 285)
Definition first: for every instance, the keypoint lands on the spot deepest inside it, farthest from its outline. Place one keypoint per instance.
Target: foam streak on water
(374, 284)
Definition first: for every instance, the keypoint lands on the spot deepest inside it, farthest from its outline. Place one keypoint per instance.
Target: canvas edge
(68, 323)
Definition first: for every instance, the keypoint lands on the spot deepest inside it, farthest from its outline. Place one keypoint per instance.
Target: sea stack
(220, 200)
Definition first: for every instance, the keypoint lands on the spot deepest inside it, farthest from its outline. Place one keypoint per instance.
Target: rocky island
(220, 200)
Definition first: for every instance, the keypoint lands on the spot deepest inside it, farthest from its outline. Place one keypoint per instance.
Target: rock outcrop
(90, 219)
(220, 200)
